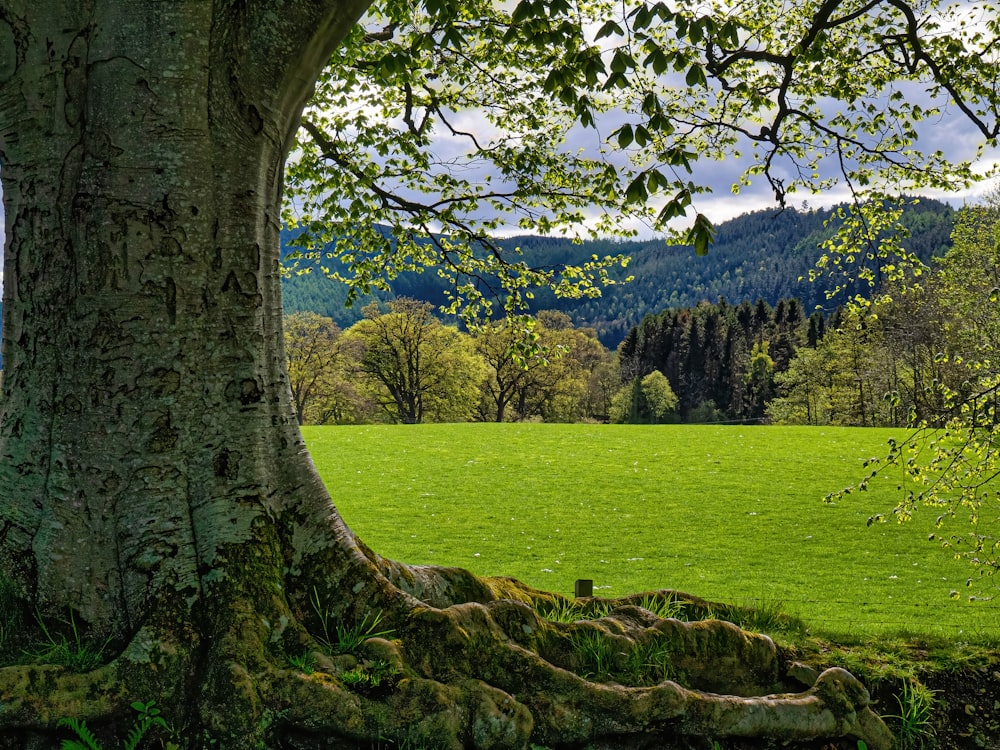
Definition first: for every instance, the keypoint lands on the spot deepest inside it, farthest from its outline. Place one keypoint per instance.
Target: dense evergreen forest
(761, 255)
(720, 359)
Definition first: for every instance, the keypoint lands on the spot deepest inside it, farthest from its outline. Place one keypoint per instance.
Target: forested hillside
(761, 255)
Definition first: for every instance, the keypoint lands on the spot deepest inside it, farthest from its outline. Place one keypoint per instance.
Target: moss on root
(477, 668)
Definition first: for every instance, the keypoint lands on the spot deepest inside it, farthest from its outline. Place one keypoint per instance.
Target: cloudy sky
(950, 133)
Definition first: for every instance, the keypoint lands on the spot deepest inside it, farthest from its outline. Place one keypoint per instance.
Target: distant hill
(758, 255)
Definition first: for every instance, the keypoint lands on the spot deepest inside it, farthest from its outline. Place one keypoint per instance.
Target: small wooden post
(584, 587)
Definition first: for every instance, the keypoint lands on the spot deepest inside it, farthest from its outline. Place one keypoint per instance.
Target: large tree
(416, 369)
(316, 368)
(154, 488)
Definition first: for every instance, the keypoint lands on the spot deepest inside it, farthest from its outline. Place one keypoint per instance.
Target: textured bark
(146, 421)
(154, 487)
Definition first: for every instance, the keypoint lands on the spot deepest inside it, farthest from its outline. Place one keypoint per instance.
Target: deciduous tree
(951, 455)
(416, 368)
(154, 487)
(315, 368)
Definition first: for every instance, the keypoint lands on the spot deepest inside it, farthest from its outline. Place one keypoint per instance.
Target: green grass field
(726, 513)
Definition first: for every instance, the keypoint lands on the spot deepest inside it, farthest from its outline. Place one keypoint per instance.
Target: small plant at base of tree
(663, 606)
(916, 704)
(374, 674)
(344, 640)
(565, 610)
(72, 653)
(765, 615)
(306, 663)
(761, 616)
(649, 664)
(149, 717)
(594, 651)
(562, 610)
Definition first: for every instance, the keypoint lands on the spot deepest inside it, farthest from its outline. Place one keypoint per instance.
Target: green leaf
(625, 136)
(695, 33)
(696, 76)
(87, 739)
(453, 38)
(524, 10)
(611, 28)
(657, 60)
(641, 18)
(657, 181)
(622, 61)
(730, 34)
(557, 7)
(636, 191)
(701, 234)
(619, 80)
(678, 157)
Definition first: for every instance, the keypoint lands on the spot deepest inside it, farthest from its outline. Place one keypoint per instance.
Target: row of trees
(888, 362)
(402, 364)
(914, 349)
(905, 356)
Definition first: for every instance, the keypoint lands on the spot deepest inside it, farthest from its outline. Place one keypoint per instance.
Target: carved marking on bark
(171, 300)
(75, 79)
(8, 51)
(226, 464)
(245, 391)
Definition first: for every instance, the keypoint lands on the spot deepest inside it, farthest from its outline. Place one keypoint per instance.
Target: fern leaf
(87, 740)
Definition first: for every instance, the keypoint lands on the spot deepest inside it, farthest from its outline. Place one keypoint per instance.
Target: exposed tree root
(459, 662)
(469, 675)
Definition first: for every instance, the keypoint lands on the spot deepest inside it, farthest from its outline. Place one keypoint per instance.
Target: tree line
(914, 352)
(400, 363)
(890, 360)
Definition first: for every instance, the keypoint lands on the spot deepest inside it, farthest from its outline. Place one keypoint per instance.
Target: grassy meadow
(729, 513)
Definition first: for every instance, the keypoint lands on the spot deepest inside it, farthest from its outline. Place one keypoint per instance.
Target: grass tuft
(72, 651)
(306, 663)
(345, 639)
(666, 607)
(595, 652)
(649, 663)
(916, 706)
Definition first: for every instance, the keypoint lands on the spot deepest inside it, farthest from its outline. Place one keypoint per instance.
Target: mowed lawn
(724, 512)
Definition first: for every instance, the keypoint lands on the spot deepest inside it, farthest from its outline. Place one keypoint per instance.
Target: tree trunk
(154, 487)
(146, 417)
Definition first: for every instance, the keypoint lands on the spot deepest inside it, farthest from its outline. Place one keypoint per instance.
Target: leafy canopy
(439, 125)
(951, 457)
